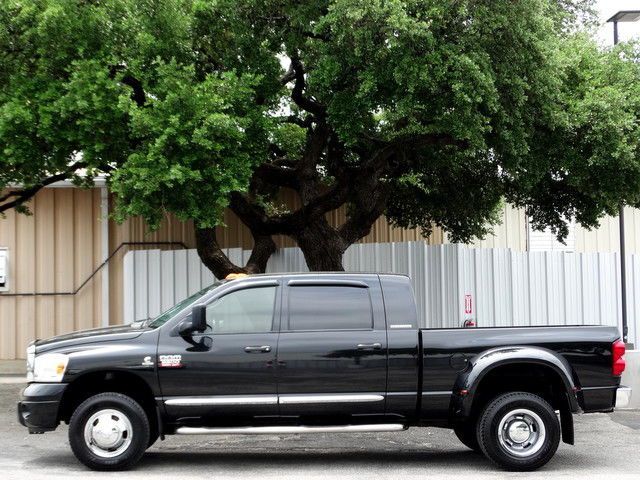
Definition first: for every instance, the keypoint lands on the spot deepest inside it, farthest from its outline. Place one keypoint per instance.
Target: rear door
(332, 348)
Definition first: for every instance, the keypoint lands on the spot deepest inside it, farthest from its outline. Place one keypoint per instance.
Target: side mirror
(199, 318)
(196, 322)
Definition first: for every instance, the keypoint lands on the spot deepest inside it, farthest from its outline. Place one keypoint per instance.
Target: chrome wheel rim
(108, 433)
(521, 432)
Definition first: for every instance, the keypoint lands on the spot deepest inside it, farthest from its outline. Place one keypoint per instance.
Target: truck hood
(94, 335)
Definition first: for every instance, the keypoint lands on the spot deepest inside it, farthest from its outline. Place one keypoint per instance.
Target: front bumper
(39, 406)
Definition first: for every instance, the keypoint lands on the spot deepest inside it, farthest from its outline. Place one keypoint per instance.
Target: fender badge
(170, 361)
(147, 362)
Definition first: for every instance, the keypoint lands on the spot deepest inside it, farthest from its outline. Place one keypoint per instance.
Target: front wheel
(109, 431)
(519, 431)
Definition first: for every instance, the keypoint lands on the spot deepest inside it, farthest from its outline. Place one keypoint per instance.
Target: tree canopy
(431, 112)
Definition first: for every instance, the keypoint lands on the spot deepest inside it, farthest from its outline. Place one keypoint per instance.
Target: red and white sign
(468, 304)
(170, 361)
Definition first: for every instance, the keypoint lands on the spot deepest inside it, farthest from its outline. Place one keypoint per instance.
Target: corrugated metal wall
(135, 230)
(53, 250)
(511, 233)
(496, 287)
(606, 238)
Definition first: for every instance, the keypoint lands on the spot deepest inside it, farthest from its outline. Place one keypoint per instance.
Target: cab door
(332, 349)
(227, 370)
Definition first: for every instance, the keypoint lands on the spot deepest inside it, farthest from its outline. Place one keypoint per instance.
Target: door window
(329, 308)
(243, 311)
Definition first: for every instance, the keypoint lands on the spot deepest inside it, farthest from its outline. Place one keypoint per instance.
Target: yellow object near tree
(234, 276)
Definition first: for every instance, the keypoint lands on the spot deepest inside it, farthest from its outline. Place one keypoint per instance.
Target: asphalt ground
(607, 446)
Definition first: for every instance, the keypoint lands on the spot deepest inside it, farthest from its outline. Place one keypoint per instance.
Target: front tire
(519, 431)
(109, 431)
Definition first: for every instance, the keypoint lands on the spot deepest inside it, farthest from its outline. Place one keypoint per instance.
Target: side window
(243, 311)
(329, 308)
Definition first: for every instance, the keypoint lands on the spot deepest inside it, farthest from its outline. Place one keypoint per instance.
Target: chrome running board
(386, 427)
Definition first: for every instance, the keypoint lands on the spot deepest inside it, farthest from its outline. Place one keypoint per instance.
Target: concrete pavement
(607, 445)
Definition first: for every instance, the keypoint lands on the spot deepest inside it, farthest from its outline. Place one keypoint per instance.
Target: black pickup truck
(306, 353)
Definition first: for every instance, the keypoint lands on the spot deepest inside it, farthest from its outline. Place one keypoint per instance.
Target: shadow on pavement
(154, 460)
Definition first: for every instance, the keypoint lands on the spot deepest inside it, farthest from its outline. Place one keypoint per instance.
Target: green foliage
(587, 161)
(179, 101)
(198, 141)
(66, 72)
(61, 98)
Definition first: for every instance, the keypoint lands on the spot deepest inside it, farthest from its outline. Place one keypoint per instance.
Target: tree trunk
(263, 248)
(217, 261)
(321, 246)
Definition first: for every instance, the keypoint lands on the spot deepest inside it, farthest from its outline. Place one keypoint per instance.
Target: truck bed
(587, 349)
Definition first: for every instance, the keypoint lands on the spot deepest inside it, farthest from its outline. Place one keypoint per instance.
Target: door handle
(369, 346)
(258, 349)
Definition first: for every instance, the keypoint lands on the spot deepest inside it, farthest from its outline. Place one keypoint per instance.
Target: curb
(13, 367)
(12, 379)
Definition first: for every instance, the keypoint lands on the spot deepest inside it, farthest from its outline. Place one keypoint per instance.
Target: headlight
(31, 357)
(49, 367)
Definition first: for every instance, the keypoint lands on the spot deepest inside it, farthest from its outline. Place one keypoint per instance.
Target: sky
(626, 31)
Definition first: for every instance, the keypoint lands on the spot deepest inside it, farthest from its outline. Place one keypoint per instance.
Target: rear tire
(109, 431)
(519, 431)
(466, 433)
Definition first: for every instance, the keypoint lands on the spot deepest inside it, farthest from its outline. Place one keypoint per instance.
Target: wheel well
(107, 381)
(540, 380)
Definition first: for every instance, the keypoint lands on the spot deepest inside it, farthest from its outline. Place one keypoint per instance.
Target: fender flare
(470, 378)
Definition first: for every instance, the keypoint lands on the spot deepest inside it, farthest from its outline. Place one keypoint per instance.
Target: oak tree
(431, 112)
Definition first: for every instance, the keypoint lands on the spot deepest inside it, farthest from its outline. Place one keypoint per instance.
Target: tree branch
(365, 212)
(263, 248)
(137, 95)
(217, 261)
(289, 75)
(301, 122)
(362, 185)
(23, 195)
(276, 175)
(316, 36)
(308, 104)
(212, 255)
(307, 166)
(256, 219)
(368, 194)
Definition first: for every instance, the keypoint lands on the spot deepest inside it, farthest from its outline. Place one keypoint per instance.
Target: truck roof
(316, 274)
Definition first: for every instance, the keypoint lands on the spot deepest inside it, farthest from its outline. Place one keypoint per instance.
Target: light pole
(623, 16)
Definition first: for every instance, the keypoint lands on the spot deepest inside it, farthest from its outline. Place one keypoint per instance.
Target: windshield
(163, 317)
